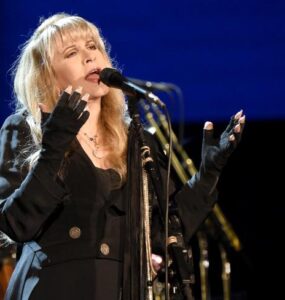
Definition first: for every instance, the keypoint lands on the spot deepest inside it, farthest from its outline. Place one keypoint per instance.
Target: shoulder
(14, 137)
(15, 124)
(15, 131)
(16, 120)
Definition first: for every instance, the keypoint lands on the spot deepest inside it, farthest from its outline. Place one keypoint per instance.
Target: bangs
(71, 29)
(73, 32)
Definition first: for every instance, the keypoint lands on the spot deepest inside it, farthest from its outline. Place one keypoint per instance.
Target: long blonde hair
(34, 83)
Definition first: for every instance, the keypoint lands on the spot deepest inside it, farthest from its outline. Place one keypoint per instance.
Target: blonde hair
(34, 83)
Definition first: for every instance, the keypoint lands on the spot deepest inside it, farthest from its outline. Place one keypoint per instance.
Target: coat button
(105, 249)
(74, 232)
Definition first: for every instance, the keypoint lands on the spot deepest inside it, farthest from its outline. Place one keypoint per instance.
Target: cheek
(60, 77)
(66, 74)
(105, 61)
(65, 77)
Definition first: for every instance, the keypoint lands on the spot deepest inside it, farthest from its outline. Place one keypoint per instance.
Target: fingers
(68, 89)
(85, 97)
(238, 115)
(242, 122)
(239, 121)
(231, 125)
(157, 261)
(233, 122)
(232, 132)
(73, 100)
(82, 104)
(208, 125)
(232, 138)
(83, 118)
(63, 99)
(70, 98)
(208, 132)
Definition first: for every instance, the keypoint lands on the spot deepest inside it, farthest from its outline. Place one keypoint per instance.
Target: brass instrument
(185, 169)
(204, 264)
(226, 273)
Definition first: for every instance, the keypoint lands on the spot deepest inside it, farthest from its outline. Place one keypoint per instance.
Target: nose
(88, 57)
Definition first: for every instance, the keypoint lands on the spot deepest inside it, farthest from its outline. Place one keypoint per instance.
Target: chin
(97, 91)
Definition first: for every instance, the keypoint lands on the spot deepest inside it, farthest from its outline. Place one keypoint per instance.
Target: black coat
(72, 232)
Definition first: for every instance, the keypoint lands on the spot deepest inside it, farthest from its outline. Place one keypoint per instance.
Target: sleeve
(12, 136)
(193, 201)
(27, 198)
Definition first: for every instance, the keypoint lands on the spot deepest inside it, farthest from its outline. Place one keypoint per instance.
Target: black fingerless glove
(196, 199)
(60, 129)
(26, 210)
(216, 151)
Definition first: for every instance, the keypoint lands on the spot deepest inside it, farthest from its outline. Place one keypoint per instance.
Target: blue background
(224, 55)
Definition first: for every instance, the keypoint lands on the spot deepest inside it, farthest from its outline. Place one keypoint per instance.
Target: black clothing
(72, 232)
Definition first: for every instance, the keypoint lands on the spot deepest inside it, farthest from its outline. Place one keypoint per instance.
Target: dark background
(224, 55)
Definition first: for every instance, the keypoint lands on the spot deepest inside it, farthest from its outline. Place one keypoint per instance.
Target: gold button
(74, 232)
(105, 249)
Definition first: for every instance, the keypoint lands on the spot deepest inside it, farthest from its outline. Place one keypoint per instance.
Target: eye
(92, 46)
(70, 54)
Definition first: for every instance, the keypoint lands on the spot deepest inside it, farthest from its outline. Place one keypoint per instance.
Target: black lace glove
(60, 128)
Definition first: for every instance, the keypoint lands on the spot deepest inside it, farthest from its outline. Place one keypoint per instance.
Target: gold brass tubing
(204, 265)
(186, 159)
(226, 273)
(227, 229)
(175, 162)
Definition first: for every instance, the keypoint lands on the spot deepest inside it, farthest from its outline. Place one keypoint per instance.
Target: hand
(62, 125)
(157, 262)
(215, 152)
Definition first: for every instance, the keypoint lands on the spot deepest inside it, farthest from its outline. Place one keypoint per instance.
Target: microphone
(153, 86)
(113, 78)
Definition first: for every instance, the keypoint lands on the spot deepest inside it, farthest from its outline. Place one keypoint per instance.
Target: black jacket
(79, 220)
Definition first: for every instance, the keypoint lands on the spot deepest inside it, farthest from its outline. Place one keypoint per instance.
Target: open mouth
(93, 75)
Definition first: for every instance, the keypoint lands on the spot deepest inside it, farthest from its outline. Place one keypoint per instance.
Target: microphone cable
(167, 202)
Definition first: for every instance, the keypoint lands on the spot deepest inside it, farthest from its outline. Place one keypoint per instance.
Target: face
(78, 63)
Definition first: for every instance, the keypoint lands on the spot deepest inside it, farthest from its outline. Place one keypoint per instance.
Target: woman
(64, 169)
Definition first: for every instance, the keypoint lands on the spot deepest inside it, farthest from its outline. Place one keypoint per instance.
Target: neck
(92, 124)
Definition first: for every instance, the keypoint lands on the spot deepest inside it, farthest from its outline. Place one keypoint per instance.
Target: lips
(93, 75)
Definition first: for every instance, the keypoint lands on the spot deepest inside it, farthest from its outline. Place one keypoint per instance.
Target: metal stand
(176, 247)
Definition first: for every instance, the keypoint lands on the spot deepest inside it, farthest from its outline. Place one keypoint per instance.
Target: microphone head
(112, 77)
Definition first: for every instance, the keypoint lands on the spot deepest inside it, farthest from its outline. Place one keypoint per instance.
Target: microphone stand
(176, 247)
